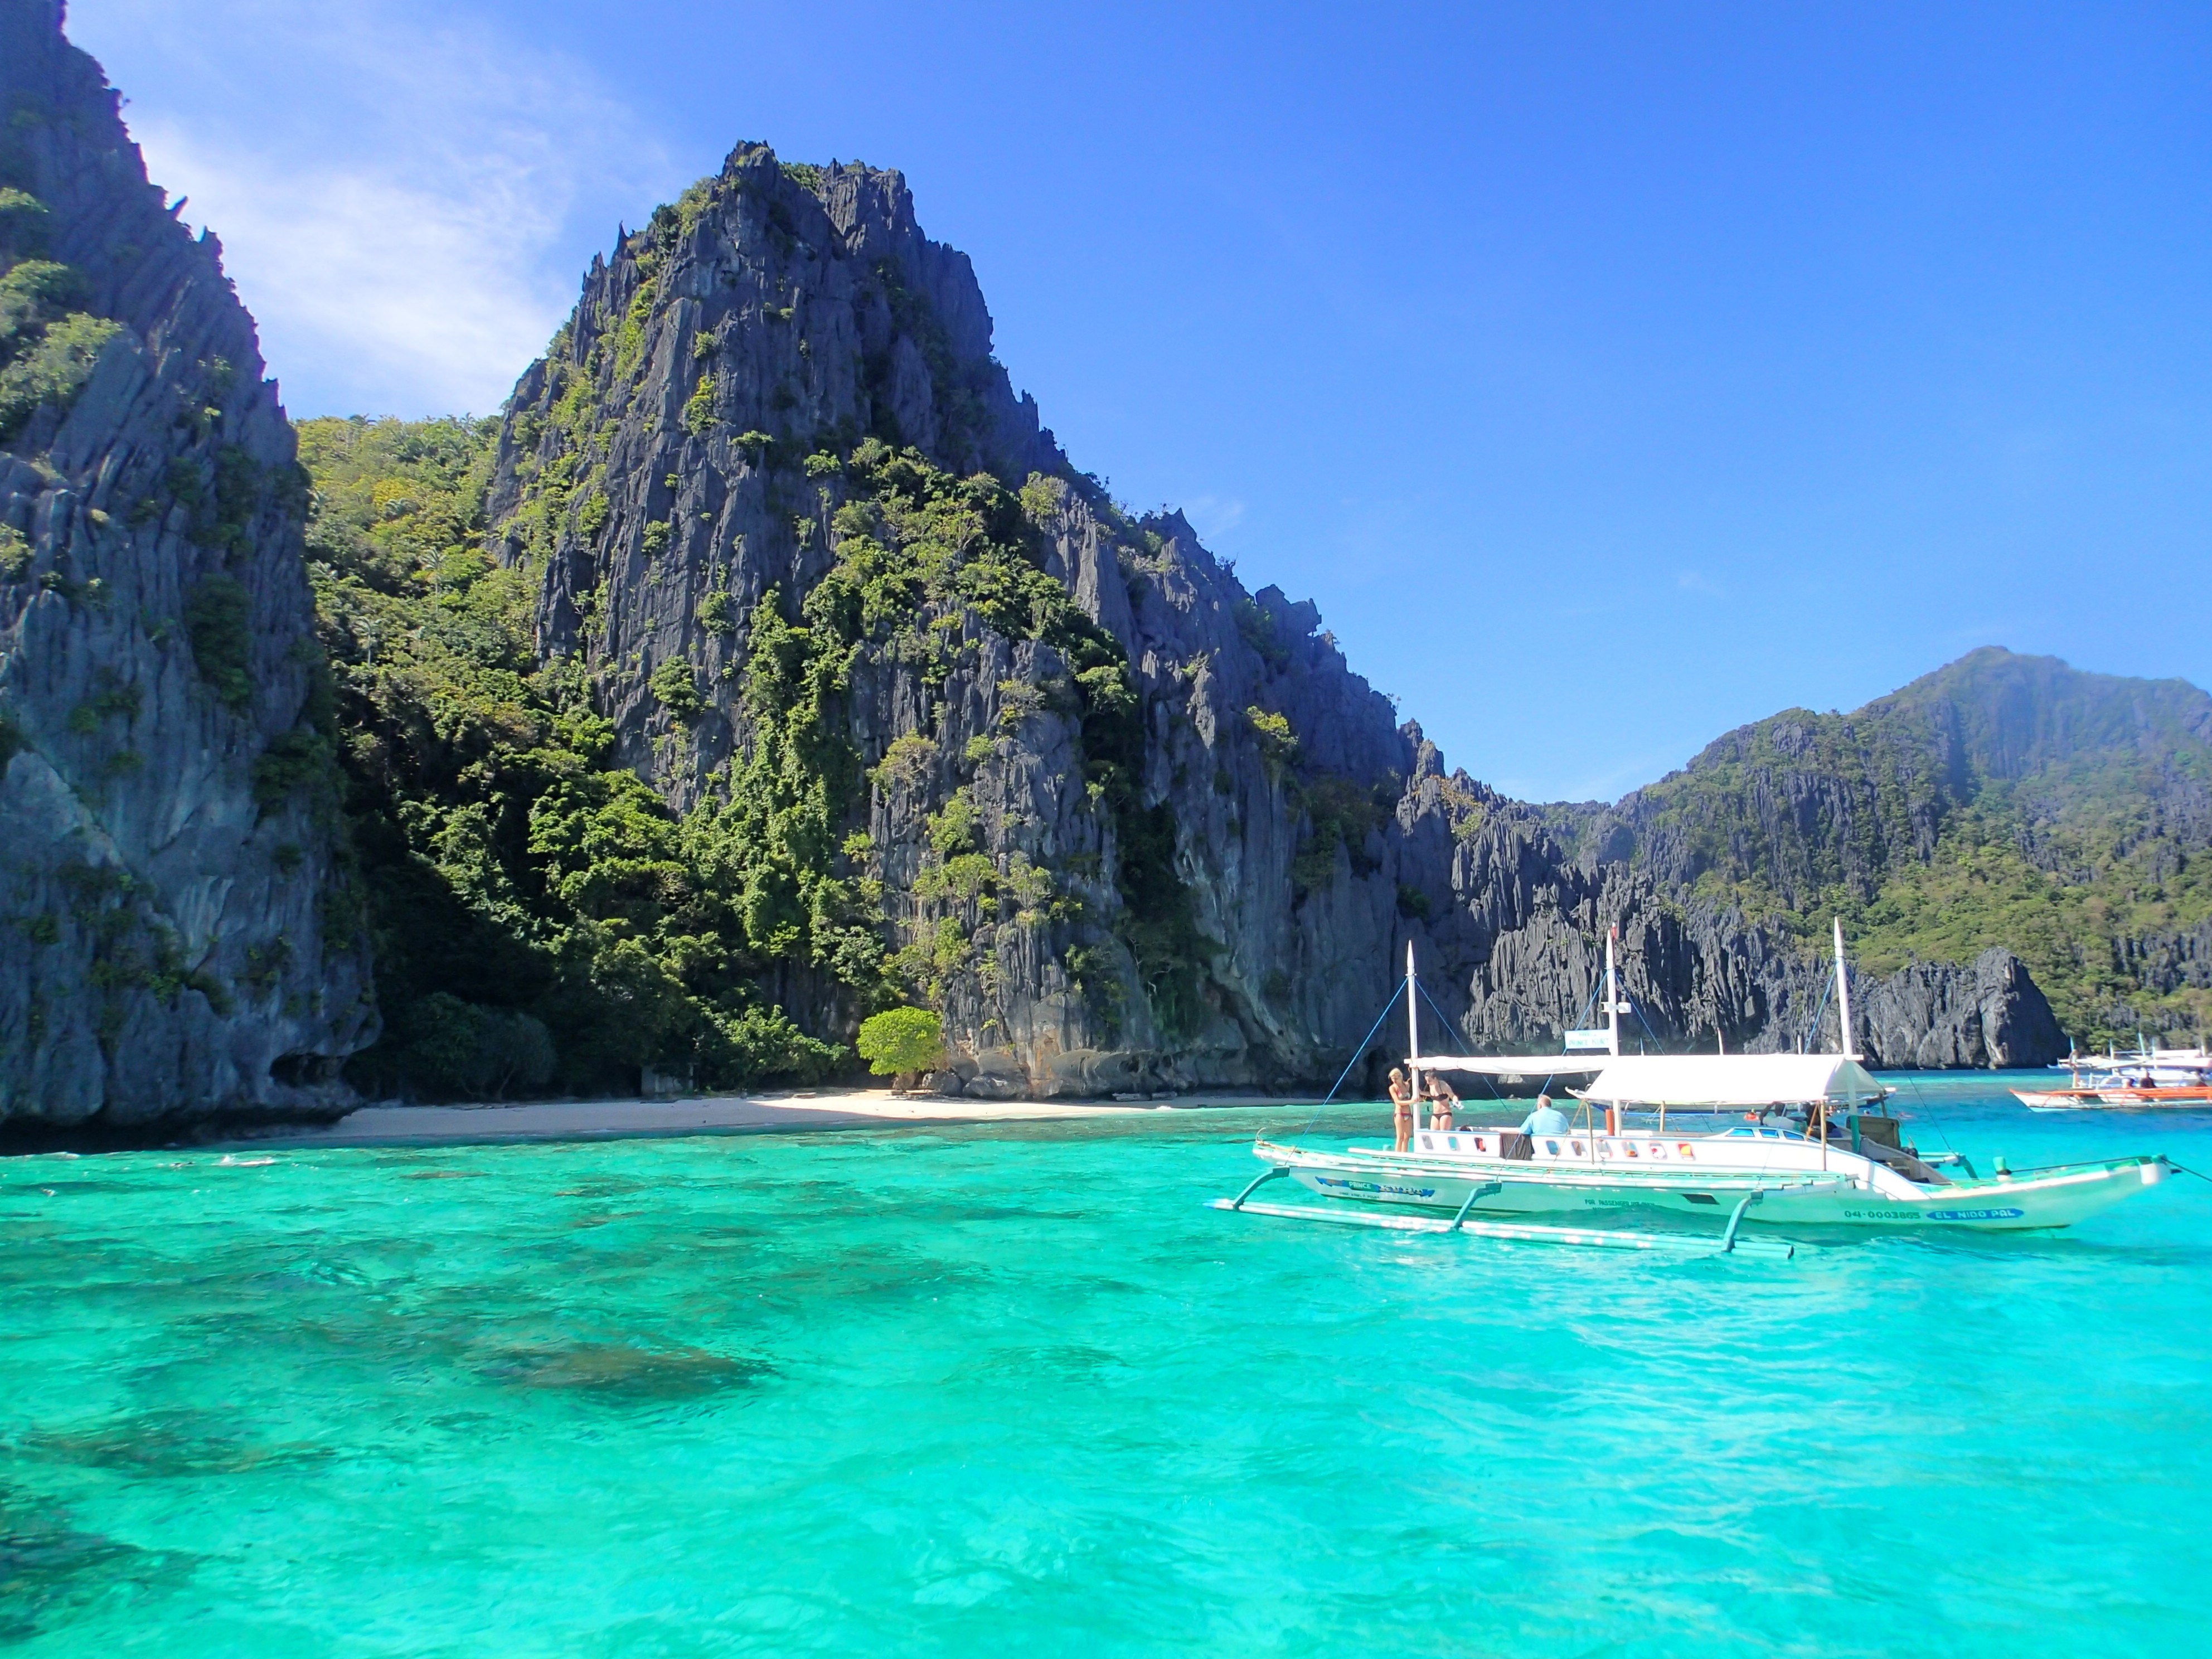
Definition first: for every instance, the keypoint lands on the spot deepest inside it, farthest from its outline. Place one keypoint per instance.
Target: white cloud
(1214, 516)
(396, 197)
(1695, 581)
(1604, 783)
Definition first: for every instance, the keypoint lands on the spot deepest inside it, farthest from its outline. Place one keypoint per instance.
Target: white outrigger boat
(1809, 1146)
(2150, 1079)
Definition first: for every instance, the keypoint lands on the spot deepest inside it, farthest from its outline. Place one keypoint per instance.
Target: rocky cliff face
(941, 720)
(1167, 840)
(173, 937)
(1144, 850)
(1517, 931)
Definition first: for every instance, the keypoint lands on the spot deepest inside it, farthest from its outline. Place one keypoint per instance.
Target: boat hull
(2115, 1100)
(1857, 1194)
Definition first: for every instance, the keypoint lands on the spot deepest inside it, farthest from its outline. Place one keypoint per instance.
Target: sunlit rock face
(175, 941)
(1204, 875)
(675, 470)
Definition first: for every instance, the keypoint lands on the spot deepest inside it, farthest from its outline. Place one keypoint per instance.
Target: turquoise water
(947, 1392)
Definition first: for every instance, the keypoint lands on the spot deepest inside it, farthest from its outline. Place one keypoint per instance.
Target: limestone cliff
(925, 714)
(1146, 853)
(174, 940)
(1521, 947)
(1183, 846)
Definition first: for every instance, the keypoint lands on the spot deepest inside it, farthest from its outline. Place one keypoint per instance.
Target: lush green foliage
(219, 622)
(2001, 800)
(512, 873)
(900, 1040)
(677, 684)
(47, 348)
(512, 877)
(1278, 745)
(1339, 813)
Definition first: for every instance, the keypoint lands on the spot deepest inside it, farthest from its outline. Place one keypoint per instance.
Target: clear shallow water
(950, 1392)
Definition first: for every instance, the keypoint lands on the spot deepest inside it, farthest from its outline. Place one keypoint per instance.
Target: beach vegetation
(903, 1042)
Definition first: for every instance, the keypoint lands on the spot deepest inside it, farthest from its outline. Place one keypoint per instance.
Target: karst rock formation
(673, 468)
(174, 935)
(1130, 826)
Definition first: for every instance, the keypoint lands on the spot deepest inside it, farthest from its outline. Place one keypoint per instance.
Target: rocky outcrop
(174, 939)
(1219, 911)
(1520, 947)
(1932, 1015)
(675, 473)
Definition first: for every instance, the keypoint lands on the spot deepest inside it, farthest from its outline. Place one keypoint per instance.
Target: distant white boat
(1809, 1145)
(2148, 1079)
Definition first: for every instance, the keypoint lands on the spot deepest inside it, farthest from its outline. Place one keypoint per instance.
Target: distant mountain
(2001, 800)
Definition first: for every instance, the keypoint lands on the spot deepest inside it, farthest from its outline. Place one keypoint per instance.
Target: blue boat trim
(1976, 1215)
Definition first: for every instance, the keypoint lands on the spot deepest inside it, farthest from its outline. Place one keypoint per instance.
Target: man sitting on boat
(1546, 1120)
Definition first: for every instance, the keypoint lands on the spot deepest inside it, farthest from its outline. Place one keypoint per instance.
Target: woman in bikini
(1402, 1110)
(1443, 1101)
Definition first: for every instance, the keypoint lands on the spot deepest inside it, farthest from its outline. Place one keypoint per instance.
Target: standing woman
(1443, 1101)
(1401, 1109)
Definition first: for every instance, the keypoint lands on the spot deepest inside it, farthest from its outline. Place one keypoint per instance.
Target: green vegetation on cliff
(540, 921)
(543, 920)
(48, 347)
(2001, 800)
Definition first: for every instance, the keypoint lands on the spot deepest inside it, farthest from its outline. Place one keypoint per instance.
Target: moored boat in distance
(1810, 1143)
(2148, 1079)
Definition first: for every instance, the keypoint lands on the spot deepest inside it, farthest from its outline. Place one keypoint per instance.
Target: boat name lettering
(1976, 1215)
(1374, 1186)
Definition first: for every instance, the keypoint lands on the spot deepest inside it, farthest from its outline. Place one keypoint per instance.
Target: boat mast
(1611, 995)
(1843, 992)
(1844, 1022)
(1413, 1034)
(1612, 1021)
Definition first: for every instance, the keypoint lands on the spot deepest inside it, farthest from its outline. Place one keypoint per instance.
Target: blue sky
(1609, 375)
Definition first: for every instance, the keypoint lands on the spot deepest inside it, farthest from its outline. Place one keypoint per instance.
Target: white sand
(573, 1120)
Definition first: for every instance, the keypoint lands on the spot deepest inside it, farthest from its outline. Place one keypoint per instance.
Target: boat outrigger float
(1809, 1144)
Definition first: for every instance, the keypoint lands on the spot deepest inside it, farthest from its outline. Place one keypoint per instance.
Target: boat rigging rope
(1636, 1010)
(1357, 1054)
(1813, 1032)
(1489, 1081)
(2180, 1168)
(1924, 1113)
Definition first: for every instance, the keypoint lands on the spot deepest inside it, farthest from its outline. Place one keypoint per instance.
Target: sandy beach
(799, 1111)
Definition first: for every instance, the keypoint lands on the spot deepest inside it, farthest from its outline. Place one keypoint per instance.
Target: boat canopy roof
(1733, 1081)
(1516, 1064)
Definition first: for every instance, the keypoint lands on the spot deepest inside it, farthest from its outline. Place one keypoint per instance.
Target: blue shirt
(1544, 1121)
